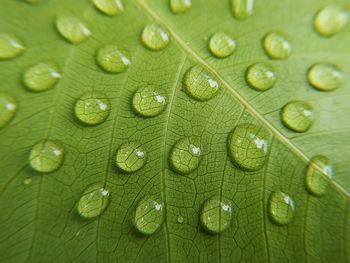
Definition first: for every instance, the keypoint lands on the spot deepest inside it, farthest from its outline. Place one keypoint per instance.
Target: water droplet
(93, 201)
(27, 181)
(200, 84)
(155, 37)
(248, 146)
(216, 215)
(319, 168)
(149, 215)
(46, 156)
(131, 157)
(72, 29)
(185, 155)
(111, 59)
(325, 76)
(280, 208)
(297, 116)
(277, 46)
(92, 108)
(180, 6)
(109, 7)
(330, 20)
(180, 219)
(260, 76)
(148, 102)
(10, 46)
(41, 77)
(221, 45)
(8, 108)
(242, 8)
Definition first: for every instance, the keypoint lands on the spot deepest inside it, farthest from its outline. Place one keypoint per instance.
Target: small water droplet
(27, 181)
(280, 208)
(325, 76)
(148, 102)
(260, 76)
(330, 20)
(131, 157)
(216, 215)
(72, 29)
(221, 45)
(10, 46)
(149, 215)
(111, 59)
(242, 9)
(8, 108)
(297, 116)
(180, 219)
(93, 201)
(180, 6)
(248, 146)
(109, 7)
(277, 46)
(92, 108)
(46, 156)
(155, 37)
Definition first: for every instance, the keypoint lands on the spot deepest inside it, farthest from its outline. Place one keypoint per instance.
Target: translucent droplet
(46, 156)
(280, 208)
(325, 76)
(92, 108)
(297, 116)
(180, 6)
(242, 8)
(109, 7)
(260, 76)
(148, 102)
(111, 59)
(149, 215)
(330, 20)
(216, 215)
(10, 46)
(221, 45)
(41, 77)
(27, 181)
(72, 29)
(200, 84)
(186, 155)
(319, 168)
(248, 146)
(8, 108)
(277, 46)
(131, 157)
(180, 219)
(93, 201)
(155, 37)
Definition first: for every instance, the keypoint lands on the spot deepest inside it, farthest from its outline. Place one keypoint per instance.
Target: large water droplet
(248, 146)
(242, 8)
(148, 102)
(330, 20)
(8, 108)
(216, 215)
(131, 157)
(200, 84)
(109, 7)
(46, 156)
(155, 37)
(277, 46)
(72, 29)
(180, 6)
(260, 76)
(325, 76)
(10, 46)
(280, 208)
(149, 215)
(297, 116)
(111, 59)
(319, 168)
(92, 108)
(221, 45)
(186, 155)
(93, 201)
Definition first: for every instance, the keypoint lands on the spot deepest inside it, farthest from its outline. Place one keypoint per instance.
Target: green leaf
(269, 214)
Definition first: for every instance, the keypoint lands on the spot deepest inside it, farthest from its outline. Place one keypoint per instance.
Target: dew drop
(242, 9)
(93, 201)
(109, 7)
(330, 20)
(148, 102)
(221, 45)
(260, 76)
(325, 76)
(155, 37)
(8, 108)
(92, 108)
(149, 215)
(131, 157)
(111, 59)
(180, 219)
(27, 181)
(248, 146)
(180, 6)
(10, 46)
(72, 29)
(277, 46)
(297, 116)
(46, 156)
(280, 208)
